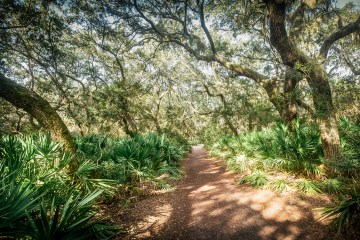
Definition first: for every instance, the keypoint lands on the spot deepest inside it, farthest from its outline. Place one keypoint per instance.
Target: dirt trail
(208, 204)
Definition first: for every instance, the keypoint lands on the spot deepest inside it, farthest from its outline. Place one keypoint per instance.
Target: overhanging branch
(348, 29)
(205, 29)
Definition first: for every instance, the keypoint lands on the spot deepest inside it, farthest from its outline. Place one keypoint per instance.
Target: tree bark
(289, 114)
(325, 111)
(230, 125)
(127, 129)
(315, 74)
(42, 111)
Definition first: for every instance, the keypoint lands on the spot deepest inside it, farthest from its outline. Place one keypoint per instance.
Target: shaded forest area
(100, 101)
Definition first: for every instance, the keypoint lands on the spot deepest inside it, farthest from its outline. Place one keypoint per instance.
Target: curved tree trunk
(157, 125)
(42, 111)
(325, 112)
(230, 125)
(314, 71)
(129, 126)
(289, 114)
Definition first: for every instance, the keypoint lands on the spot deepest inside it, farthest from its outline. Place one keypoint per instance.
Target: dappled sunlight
(234, 210)
(152, 223)
(208, 204)
(239, 209)
(267, 231)
(210, 171)
(101, 102)
(203, 189)
(217, 201)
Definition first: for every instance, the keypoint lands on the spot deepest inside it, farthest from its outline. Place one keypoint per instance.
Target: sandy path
(208, 204)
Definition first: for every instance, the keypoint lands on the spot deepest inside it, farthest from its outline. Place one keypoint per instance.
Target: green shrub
(69, 220)
(307, 186)
(32, 167)
(345, 212)
(132, 160)
(256, 178)
(238, 163)
(91, 146)
(279, 185)
(333, 186)
(38, 160)
(350, 137)
(349, 166)
(297, 151)
(16, 198)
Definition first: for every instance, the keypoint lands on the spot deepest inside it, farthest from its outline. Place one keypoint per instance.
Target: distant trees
(130, 66)
(186, 24)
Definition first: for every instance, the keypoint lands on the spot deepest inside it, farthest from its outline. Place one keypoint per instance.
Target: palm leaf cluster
(296, 151)
(350, 140)
(37, 199)
(131, 160)
(345, 212)
(299, 151)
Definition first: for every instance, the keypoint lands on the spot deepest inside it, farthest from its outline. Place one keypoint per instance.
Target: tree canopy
(190, 66)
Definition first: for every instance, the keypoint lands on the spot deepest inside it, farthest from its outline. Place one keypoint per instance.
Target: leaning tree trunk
(316, 77)
(129, 126)
(230, 125)
(42, 111)
(325, 112)
(290, 111)
(157, 125)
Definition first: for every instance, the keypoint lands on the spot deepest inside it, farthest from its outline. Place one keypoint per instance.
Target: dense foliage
(130, 160)
(112, 73)
(39, 200)
(297, 152)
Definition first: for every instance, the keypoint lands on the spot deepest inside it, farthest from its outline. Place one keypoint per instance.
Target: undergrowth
(134, 160)
(39, 200)
(287, 160)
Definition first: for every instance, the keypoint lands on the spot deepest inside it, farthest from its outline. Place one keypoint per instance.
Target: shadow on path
(207, 204)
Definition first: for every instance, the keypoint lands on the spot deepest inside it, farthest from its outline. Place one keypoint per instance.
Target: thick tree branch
(188, 43)
(193, 52)
(152, 24)
(205, 29)
(348, 29)
(114, 54)
(315, 75)
(305, 106)
(220, 95)
(41, 110)
(290, 55)
(240, 70)
(214, 57)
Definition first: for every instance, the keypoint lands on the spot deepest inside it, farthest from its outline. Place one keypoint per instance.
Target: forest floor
(208, 204)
